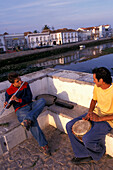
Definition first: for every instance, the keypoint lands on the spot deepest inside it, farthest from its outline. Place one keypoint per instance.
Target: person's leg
(35, 129)
(38, 134)
(36, 108)
(23, 112)
(94, 140)
(78, 147)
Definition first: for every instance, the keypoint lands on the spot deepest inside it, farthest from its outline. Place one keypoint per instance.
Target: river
(74, 60)
(82, 60)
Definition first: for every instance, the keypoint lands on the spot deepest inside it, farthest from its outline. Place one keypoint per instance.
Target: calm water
(87, 66)
(73, 60)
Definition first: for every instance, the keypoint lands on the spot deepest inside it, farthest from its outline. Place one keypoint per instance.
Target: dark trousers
(32, 111)
(93, 141)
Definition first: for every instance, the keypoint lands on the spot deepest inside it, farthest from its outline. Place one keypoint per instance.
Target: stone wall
(72, 86)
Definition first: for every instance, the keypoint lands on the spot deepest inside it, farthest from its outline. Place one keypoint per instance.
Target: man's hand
(92, 116)
(87, 117)
(6, 104)
(14, 98)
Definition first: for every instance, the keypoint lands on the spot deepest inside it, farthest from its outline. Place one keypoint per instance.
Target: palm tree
(45, 27)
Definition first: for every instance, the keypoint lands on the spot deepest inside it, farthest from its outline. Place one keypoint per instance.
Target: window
(71, 35)
(36, 39)
(106, 29)
(51, 37)
(65, 35)
(1, 43)
(31, 39)
(44, 39)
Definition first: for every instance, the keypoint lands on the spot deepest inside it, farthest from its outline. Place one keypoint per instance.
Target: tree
(52, 28)
(35, 31)
(5, 33)
(46, 27)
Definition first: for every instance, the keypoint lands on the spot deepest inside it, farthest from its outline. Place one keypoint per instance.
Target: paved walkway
(27, 155)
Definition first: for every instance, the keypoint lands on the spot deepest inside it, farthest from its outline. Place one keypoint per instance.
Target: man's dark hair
(103, 73)
(12, 76)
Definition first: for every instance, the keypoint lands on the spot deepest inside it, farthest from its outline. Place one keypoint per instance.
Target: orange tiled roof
(63, 30)
(26, 33)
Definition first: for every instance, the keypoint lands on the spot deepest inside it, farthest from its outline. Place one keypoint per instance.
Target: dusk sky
(29, 15)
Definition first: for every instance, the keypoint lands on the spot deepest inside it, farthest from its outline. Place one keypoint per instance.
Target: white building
(63, 36)
(38, 39)
(48, 37)
(2, 44)
(101, 31)
(14, 41)
(105, 31)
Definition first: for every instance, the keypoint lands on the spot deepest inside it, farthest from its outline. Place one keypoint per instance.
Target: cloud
(60, 3)
(22, 6)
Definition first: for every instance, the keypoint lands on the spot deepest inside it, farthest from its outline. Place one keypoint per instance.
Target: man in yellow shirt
(101, 116)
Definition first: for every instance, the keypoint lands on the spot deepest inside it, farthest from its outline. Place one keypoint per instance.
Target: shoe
(45, 149)
(78, 161)
(26, 124)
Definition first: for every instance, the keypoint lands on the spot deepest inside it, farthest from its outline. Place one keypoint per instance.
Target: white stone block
(14, 137)
(58, 121)
(43, 119)
(109, 145)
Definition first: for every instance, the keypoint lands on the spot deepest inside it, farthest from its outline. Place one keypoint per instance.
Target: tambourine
(80, 128)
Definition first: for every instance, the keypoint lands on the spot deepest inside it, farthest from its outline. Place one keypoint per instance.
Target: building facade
(94, 33)
(50, 38)
(38, 39)
(2, 44)
(14, 41)
(63, 36)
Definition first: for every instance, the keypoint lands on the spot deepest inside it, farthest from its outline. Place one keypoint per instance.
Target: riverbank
(22, 61)
(52, 50)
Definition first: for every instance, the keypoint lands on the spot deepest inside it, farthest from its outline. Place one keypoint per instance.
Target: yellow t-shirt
(104, 101)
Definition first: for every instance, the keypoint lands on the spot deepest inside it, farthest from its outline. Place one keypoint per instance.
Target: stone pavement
(27, 155)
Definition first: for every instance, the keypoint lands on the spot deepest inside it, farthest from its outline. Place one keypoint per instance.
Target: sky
(19, 16)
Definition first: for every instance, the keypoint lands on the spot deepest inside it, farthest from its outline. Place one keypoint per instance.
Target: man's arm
(97, 118)
(91, 108)
(94, 117)
(27, 97)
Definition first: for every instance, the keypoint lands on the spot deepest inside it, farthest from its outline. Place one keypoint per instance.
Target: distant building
(48, 37)
(14, 41)
(2, 44)
(63, 36)
(105, 31)
(101, 31)
(38, 39)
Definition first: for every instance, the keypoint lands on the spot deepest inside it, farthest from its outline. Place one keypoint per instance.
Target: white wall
(68, 85)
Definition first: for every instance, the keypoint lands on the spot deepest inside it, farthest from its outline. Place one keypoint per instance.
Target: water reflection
(70, 60)
(87, 66)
